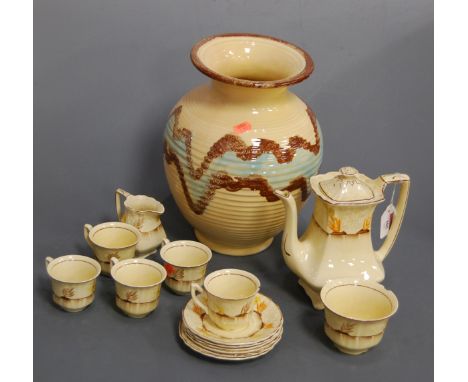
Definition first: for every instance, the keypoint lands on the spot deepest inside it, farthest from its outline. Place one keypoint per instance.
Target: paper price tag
(386, 220)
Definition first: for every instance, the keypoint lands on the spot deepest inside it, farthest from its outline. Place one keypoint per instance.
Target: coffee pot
(337, 243)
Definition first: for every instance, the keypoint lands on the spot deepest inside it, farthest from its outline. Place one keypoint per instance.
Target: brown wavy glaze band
(233, 143)
(224, 180)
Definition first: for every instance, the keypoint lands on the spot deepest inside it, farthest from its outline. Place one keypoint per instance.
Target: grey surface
(107, 73)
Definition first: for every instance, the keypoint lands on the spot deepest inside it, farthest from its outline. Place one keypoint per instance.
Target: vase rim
(294, 78)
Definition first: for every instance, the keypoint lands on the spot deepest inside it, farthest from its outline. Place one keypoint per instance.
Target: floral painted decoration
(245, 309)
(261, 306)
(197, 310)
(347, 327)
(68, 292)
(132, 296)
(335, 224)
(173, 272)
(366, 225)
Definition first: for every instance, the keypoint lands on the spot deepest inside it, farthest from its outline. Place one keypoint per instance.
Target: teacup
(113, 239)
(356, 313)
(185, 262)
(73, 281)
(137, 285)
(230, 295)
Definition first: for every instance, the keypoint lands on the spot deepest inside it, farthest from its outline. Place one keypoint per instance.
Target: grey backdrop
(107, 72)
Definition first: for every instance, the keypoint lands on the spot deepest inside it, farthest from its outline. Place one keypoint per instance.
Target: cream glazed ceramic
(247, 348)
(231, 350)
(225, 345)
(230, 143)
(73, 281)
(230, 297)
(112, 239)
(185, 262)
(338, 244)
(144, 213)
(229, 355)
(236, 354)
(137, 285)
(356, 313)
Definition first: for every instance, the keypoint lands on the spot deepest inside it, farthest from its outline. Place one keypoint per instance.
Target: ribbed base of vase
(225, 249)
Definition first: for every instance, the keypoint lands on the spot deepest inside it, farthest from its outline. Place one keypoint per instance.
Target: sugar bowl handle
(404, 181)
(118, 193)
(193, 291)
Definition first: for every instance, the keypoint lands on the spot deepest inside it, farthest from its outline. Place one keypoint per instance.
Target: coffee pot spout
(290, 242)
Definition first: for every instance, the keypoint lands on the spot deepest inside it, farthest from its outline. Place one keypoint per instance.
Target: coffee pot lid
(347, 186)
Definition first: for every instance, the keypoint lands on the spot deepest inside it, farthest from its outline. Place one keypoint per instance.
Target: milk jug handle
(118, 193)
(404, 181)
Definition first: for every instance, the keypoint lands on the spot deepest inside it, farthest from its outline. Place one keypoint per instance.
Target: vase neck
(240, 93)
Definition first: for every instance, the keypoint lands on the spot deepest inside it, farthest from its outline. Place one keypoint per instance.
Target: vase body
(230, 143)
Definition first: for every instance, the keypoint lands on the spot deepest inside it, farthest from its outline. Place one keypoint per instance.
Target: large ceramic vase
(230, 143)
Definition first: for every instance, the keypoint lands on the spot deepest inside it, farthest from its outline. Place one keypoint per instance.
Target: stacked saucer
(263, 332)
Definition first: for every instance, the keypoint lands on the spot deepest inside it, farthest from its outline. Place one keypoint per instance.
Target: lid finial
(348, 171)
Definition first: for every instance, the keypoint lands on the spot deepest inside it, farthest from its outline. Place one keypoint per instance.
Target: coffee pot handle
(404, 181)
(193, 291)
(120, 192)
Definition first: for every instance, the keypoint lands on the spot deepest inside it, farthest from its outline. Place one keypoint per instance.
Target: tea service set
(226, 316)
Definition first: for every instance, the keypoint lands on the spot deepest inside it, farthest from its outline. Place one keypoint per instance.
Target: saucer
(240, 349)
(233, 355)
(230, 354)
(265, 309)
(206, 343)
(254, 325)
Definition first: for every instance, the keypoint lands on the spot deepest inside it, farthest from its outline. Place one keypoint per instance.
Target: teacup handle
(113, 261)
(193, 291)
(86, 229)
(120, 192)
(48, 260)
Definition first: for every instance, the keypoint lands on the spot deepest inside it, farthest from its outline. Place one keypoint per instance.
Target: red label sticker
(169, 269)
(242, 127)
